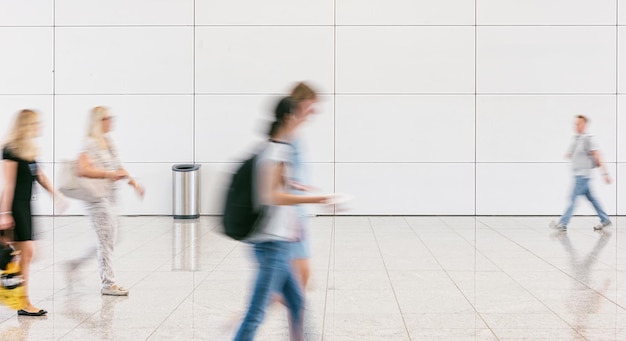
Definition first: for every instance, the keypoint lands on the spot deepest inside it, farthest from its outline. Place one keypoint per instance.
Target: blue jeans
(275, 276)
(581, 187)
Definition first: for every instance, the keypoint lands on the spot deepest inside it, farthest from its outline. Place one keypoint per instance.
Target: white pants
(104, 219)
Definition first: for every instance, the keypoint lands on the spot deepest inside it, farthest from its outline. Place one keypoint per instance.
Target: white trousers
(104, 219)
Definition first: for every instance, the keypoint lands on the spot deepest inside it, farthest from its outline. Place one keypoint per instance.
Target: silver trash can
(185, 189)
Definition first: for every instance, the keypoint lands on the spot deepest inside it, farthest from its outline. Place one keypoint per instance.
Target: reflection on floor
(373, 278)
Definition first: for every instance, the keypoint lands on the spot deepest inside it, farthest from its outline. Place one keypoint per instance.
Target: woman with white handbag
(100, 160)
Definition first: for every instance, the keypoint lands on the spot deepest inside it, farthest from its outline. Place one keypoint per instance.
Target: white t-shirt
(278, 221)
(582, 162)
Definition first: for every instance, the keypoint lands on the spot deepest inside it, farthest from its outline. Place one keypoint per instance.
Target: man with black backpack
(584, 156)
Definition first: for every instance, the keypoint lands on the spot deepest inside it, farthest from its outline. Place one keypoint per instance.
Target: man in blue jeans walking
(585, 157)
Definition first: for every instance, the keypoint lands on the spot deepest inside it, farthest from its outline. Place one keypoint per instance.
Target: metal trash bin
(185, 189)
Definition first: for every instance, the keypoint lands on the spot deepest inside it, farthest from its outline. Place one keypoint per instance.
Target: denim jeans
(275, 276)
(581, 187)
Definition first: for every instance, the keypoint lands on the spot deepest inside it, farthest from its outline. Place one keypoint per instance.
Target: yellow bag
(12, 286)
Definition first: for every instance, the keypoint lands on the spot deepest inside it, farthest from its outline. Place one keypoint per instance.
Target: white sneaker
(114, 290)
(602, 225)
(554, 225)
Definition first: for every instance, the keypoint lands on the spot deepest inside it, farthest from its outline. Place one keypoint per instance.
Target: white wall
(428, 107)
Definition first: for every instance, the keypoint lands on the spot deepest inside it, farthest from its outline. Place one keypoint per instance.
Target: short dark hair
(582, 117)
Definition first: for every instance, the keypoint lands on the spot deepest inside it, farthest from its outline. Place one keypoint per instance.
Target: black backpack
(241, 217)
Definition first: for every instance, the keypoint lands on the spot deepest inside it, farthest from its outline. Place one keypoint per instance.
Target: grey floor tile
(365, 326)
(452, 334)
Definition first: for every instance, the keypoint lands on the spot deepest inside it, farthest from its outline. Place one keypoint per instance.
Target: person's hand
(120, 174)
(61, 203)
(607, 178)
(324, 199)
(138, 189)
(6, 221)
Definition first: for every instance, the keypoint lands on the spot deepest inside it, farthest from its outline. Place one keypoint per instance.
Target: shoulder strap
(280, 142)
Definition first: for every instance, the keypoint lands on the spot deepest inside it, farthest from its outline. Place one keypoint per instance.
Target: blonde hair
(94, 130)
(21, 139)
(302, 92)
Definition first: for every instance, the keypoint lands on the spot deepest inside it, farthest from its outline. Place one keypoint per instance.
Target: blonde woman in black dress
(20, 170)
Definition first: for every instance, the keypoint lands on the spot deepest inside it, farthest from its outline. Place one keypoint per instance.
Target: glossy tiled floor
(373, 278)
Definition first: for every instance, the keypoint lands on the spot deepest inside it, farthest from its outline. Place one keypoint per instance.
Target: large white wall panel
(262, 59)
(620, 174)
(540, 128)
(405, 12)
(621, 129)
(27, 13)
(405, 59)
(269, 12)
(534, 188)
(145, 128)
(622, 59)
(621, 7)
(230, 127)
(546, 60)
(214, 181)
(405, 128)
(10, 105)
(116, 60)
(407, 188)
(157, 181)
(545, 12)
(121, 12)
(26, 60)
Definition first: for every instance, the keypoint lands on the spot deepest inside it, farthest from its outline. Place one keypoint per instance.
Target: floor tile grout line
(81, 323)
(142, 279)
(552, 265)
(540, 231)
(194, 288)
(530, 292)
(472, 304)
(331, 263)
(524, 288)
(393, 289)
(156, 328)
(156, 270)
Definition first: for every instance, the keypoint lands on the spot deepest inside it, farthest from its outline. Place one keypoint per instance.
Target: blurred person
(305, 99)
(272, 240)
(584, 156)
(20, 171)
(100, 160)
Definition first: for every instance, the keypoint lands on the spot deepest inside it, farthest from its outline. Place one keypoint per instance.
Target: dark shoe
(23, 312)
